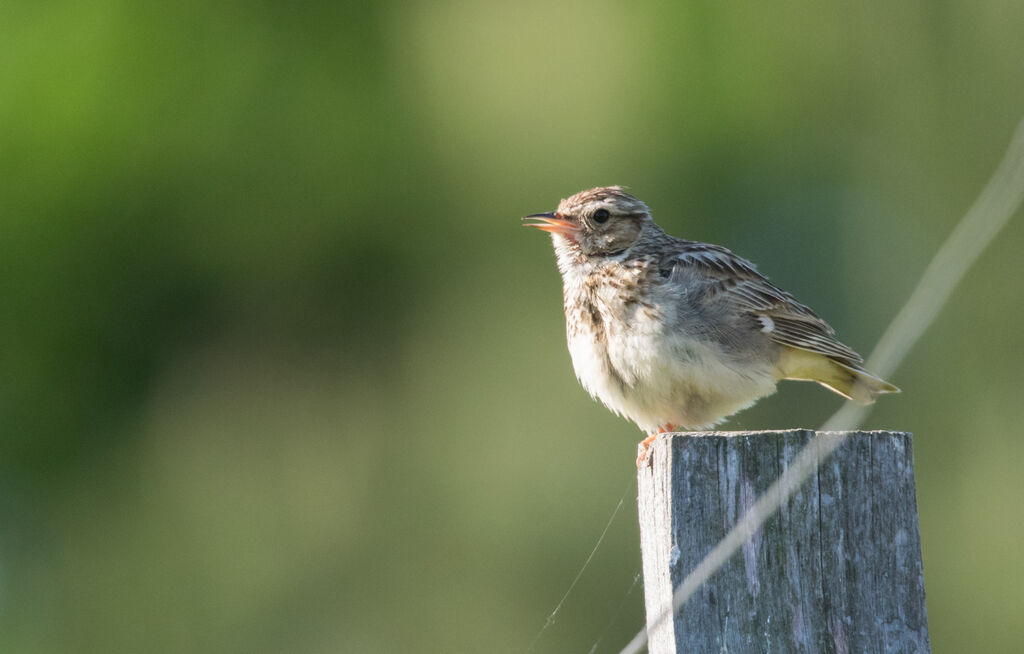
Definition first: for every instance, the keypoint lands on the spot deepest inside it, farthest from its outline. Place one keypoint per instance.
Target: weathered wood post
(836, 569)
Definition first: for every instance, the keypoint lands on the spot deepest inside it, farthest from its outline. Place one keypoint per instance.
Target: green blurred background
(281, 372)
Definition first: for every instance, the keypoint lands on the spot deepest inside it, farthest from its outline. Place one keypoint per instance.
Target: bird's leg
(645, 444)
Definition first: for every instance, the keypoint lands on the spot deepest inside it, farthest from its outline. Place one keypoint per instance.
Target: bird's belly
(656, 377)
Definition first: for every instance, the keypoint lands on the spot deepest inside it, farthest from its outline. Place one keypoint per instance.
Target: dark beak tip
(549, 214)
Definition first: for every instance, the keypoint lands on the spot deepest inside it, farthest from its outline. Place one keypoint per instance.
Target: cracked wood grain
(836, 569)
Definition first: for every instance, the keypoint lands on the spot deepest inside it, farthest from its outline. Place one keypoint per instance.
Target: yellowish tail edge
(852, 383)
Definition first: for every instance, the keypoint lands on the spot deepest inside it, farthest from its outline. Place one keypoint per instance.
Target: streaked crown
(611, 198)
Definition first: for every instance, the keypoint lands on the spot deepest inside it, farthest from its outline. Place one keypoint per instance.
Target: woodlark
(673, 333)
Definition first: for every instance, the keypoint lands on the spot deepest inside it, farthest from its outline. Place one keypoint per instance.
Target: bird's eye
(601, 216)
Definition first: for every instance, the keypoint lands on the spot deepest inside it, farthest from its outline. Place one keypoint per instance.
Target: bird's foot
(645, 445)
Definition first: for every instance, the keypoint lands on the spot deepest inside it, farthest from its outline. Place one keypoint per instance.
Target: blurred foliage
(281, 372)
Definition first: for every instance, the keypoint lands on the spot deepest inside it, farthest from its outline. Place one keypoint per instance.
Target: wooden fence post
(836, 569)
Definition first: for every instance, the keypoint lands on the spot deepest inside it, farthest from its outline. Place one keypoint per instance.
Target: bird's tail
(852, 382)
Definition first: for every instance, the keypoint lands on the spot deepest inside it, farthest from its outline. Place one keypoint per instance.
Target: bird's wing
(734, 280)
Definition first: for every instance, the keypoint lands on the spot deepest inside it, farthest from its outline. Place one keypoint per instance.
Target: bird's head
(602, 221)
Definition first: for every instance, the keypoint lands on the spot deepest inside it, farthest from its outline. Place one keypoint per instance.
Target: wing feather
(735, 280)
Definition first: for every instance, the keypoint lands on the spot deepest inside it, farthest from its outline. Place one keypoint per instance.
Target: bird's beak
(552, 222)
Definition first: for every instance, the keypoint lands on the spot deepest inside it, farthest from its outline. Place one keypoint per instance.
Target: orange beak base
(553, 223)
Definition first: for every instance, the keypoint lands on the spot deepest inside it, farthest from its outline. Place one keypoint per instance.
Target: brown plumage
(669, 332)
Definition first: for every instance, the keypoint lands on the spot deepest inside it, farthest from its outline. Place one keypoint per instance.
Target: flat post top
(836, 569)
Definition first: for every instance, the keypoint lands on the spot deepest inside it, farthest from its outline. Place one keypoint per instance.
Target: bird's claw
(644, 447)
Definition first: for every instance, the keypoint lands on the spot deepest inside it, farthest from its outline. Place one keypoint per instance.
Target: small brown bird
(672, 333)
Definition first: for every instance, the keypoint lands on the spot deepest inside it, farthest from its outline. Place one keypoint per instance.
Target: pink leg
(645, 444)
